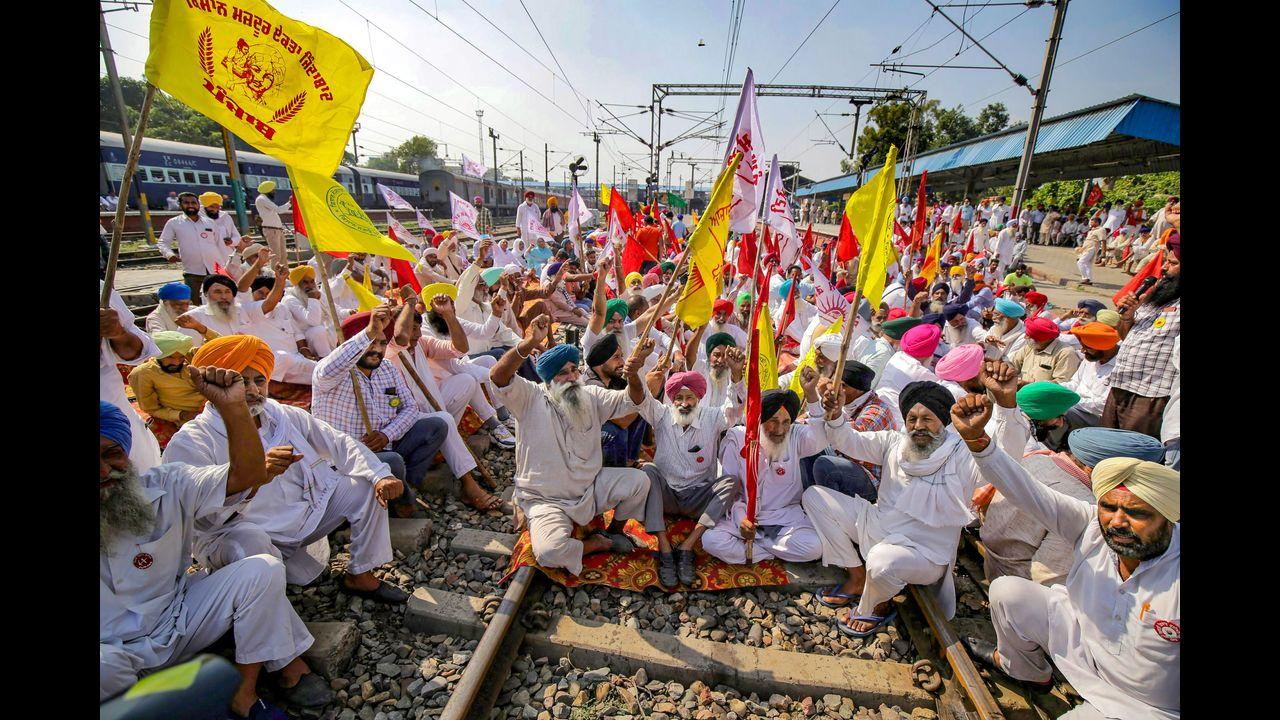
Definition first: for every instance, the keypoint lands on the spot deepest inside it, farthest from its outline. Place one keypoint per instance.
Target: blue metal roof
(1134, 116)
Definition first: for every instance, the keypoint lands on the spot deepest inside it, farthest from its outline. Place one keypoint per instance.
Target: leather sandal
(384, 593)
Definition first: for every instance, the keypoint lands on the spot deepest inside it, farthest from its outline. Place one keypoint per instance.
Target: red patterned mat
(638, 570)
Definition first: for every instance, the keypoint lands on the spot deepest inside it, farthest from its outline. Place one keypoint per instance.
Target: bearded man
(199, 244)
(682, 477)
(309, 310)
(911, 363)
(1044, 357)
(909, 535)
(338, 481)
(1114, 629)
(121, 342)
(724, 368)
(865, 412)
(273, 323)
(781, 529)
(559, 479)
(174, 301)
(620, 438)
(152, 613)
(222, 312)
(1007, 334)
(161, 385)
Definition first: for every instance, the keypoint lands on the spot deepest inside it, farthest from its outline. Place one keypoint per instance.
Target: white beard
(229, 316)
(168, 316)
(568, 396)
(124, 511)
(770, 451)
(683, 420)
(302, 296)
(916, 453)
(720, 377)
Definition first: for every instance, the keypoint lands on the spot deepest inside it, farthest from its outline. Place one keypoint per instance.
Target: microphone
(1147, 282)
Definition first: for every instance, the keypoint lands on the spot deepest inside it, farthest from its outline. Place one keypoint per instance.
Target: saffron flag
(929, 269)
(706, 252)
(870, 214)
(471, 167)
(778, 216)
(392, 199)
(811, 357)
(291, 90)
(917, 228)
(748, 187)
(464, 216)
(1153, 268)
(333, 219)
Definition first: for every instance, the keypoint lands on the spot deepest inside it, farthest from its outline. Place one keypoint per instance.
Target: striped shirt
(391, 407)
(686, 456)
(1144, 365)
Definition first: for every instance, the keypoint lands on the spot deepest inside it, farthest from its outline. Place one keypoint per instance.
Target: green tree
(412, 151)
(385, 161)
(993, 118)
(887, 125)
(169, 120)
(1152, 188)
(951, 126)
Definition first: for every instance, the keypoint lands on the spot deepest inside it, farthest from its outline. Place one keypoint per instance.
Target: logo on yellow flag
(290, 89)
(333, 220)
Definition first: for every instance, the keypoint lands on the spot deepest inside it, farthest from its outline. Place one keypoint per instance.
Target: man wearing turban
(192, 239)
(1099, 344)
(321, 478)
(174, 300)
(161, 385)
(272, 322)
(614, 317)
(269, 213)
(913, 360)
(909, 535)
(1044, 356)
(866, 412)
(780, 529)
(682, 477)
(152, 613)
(620, 438)
(1144, 376)
(724, 365)
(309, 310)
(559, 479)
(1006, 334)
(1114, 630)
(489, 318)
(211, 207)
(121, 342)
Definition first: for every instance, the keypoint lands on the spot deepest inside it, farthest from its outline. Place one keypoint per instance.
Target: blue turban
(174, 291)
(1093, 306)
(954, 309)
(1009, 308)
(551, 362)
(554, 268)
(113, 424)
(932, 318)
(1092, 445)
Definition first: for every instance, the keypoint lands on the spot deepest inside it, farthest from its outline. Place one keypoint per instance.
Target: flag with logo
(471, 167)
(870, 215)
(748, 184)
(463, 214)
(706, 252)
(778, 216)
(399, 232)
(428, 230)
(289, 89)
(811, 357)
(392, 199)
(535, 228)
(831, 304)
(333, 220)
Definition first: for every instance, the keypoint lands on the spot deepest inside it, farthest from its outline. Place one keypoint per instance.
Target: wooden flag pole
(417, 379)
(662, 301)
(322, 263)
(131, 166)
(847, 330)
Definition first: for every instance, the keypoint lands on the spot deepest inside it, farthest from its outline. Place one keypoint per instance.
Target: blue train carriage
(165, 166)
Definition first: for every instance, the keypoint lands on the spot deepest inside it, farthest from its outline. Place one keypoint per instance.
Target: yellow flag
(334, 221)
(289, 89)
(368, 300)
(870, 213)
(606, 194)
(764, 348)
(811, 357)
(706, 255)
(929, 268)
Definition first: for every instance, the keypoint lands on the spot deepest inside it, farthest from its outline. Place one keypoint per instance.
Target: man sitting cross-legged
(682, 477)
(559, 479)
(322, 478)
(781, 528)
(910, 534)
(151, 612)
(161, 384)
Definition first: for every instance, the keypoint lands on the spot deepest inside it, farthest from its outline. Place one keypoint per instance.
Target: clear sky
(612, 52)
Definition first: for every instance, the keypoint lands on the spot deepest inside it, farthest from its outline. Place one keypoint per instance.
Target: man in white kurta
(781, 528)
(1114, 629)
(310, 311)
(273, 322)
(151, 612)
(559, 478)
(120, 341)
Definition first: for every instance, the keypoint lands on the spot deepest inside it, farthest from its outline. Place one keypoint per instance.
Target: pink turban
(921, 340)
(688, 379)
(963, 362)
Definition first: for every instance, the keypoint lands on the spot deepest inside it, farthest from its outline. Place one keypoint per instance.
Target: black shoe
(684, 565)
(311, 691)
(985, 653)
(384, 593)
(667, 570)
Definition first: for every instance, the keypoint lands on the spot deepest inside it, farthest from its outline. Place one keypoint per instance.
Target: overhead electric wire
(984, 37)
(805, 40)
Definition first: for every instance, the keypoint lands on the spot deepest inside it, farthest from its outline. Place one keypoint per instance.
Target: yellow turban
(956, 270)
(210, 198)
(633, 276)
(236, 352)
(302, 272)
(1108, 317)
(169, 342)
(266, 186)
(1159, 485)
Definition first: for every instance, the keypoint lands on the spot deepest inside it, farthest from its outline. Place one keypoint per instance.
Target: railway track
(942, 681)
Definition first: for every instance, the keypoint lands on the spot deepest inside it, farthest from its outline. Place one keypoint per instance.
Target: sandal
(849, 598)
(488, 502)
(880, 621)
(622, 545)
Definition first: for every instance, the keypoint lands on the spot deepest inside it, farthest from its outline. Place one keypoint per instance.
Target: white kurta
(1118, 642)
(144, 452)
(289, 507)
(1090, 383)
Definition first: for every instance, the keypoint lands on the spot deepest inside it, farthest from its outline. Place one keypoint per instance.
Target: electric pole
(521, 176)
(1037, 109)
(109, 57)
(546, 169)
(355, 149)
(596, 136)
(494, 136)
(480, 129)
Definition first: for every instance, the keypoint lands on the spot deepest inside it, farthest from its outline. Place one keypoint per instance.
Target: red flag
(751, 441)
(827, 253)
(747, 253)
(633, 255)
(403, 269)
(847, 246)
(770, 245)
(1095, 194)
(903, 238)
(219, 270)
(619, 208)
(1153, 268)
(806, 243)
(955, 224)
(788, 314)
(969, 248)
(917, 228)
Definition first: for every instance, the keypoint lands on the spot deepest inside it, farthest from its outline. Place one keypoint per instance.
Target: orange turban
(1096, 335)
(236, 352)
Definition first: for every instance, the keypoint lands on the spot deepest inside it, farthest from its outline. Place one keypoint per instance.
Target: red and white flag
(399, 232)
(392, 199)
(428, 230)
(778, 216)
(471, 167)
(830, 304)
(748, 183)
(464, 216)
(535, 228)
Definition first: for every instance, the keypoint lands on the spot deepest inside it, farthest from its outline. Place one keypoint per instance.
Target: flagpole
(408, 365)
(131, 166)
(321, 265)
(666, 293)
